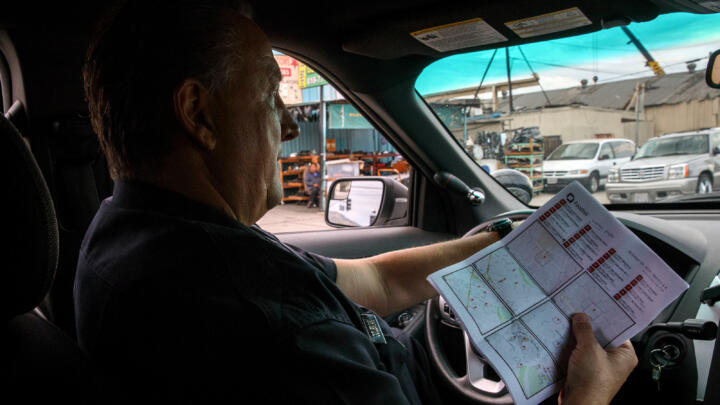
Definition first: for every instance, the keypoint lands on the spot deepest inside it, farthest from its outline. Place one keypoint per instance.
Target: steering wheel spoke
(477, 371)
(480, 383)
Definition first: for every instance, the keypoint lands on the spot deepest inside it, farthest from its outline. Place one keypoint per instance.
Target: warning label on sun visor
(548, 23)
(459, 35)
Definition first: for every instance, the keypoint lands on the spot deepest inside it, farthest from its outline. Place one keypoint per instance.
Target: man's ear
(191, 103)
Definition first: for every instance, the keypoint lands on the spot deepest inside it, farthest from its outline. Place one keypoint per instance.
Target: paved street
(293, 217)
(296, 218)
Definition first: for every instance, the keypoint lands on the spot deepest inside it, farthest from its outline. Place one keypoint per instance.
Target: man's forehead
(270, 64)
(263, 65)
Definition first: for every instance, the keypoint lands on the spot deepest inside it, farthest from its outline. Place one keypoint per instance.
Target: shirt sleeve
(337, 363)
(322, 263)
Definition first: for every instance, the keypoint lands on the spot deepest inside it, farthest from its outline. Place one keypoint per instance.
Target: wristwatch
(502, 226)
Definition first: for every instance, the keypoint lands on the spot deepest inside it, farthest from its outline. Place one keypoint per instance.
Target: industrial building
(633, 109)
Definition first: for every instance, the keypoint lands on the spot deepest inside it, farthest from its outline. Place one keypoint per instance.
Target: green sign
(345, 116)
(308, 77)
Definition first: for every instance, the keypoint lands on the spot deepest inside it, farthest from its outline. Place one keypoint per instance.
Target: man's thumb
(582, 329)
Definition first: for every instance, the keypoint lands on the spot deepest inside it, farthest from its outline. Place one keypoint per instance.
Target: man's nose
(288, 127)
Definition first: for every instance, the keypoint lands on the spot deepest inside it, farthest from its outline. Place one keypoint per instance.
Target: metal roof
(671, 88)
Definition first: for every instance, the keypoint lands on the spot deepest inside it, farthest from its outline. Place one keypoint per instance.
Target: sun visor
(447, 29)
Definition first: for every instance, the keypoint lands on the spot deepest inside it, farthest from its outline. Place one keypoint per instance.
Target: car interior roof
(367, 47)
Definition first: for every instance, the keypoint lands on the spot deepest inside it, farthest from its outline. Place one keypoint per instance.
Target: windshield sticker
(459, 35)
(548, 23)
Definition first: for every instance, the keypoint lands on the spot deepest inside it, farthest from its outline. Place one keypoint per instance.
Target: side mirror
(366, 201)
(712, 72)
(716, 151)
(604, 157)
(515, 182)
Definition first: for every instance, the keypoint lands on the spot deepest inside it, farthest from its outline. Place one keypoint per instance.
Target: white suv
(672, 165)
(588, 161)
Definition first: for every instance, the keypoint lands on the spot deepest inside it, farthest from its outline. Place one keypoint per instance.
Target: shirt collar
(135, 194)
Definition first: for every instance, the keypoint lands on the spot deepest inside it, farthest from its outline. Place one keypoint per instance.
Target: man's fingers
(582, 329)
(627, 353)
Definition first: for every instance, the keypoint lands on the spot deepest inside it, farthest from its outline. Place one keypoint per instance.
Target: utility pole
(509, 75)
(639, 105)
(323, 131)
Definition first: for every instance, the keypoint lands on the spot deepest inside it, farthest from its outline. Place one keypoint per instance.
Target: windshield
(570, 151)
(675, 145)
(532, 108)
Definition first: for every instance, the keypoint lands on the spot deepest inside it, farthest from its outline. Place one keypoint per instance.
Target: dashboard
(687, 242)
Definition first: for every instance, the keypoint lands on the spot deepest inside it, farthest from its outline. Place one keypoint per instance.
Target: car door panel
(362, 242)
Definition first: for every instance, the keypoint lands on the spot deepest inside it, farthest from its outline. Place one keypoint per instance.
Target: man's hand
(594, 374)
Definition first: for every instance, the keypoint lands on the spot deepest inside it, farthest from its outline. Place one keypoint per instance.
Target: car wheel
(593, 184)
(704, 184)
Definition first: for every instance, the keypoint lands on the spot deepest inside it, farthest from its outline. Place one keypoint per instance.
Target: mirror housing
(384, 202)
(604, 157)
(716, 151)
(515, 182)
(712, 72)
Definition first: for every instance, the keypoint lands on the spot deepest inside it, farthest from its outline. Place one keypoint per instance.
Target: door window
(352, 148)
(623, 149)
(605, 149)
(714, 141)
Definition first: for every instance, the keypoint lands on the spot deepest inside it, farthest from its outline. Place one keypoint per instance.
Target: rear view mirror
(604, 157)
(366, 201)
(712, 73)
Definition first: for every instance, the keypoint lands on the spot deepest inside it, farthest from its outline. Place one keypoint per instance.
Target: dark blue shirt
(311, 179)
(177, 301)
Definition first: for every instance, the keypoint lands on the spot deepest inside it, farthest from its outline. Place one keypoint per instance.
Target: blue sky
(672, 39)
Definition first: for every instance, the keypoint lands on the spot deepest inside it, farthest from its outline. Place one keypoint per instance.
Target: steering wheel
(475, 384)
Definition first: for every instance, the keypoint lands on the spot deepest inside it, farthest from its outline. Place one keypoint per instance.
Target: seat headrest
(30, 252)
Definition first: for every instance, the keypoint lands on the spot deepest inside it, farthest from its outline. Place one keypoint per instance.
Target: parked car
(669, 166)
(588, 162)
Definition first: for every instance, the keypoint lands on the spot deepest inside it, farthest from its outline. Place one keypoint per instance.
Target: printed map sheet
(516, 297)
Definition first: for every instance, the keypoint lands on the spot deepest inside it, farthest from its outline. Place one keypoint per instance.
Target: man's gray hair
(138, 55)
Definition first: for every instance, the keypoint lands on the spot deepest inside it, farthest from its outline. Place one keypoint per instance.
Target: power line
(572, 68)
(646, 70)
(535, 75)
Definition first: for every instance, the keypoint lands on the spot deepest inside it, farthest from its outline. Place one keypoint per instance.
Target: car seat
(38, 362)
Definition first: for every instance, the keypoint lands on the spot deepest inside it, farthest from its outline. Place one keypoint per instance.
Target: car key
(658, 361)
(671, 353)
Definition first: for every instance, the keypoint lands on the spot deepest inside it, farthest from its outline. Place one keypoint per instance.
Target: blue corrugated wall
(368, 140)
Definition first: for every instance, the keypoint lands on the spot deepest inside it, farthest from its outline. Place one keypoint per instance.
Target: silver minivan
(588, 162)
(668, 166)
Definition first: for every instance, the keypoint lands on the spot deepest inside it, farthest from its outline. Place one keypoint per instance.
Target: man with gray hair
(179, 296)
